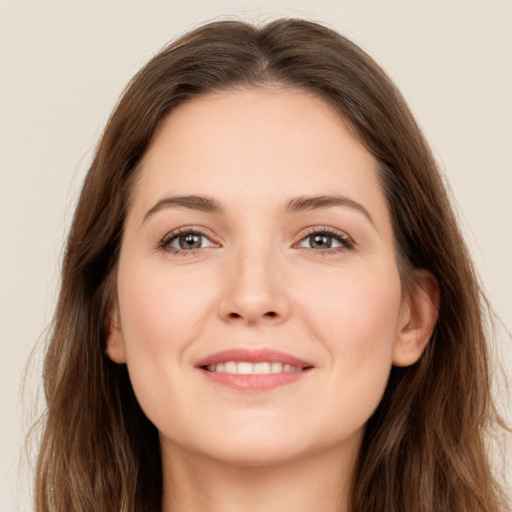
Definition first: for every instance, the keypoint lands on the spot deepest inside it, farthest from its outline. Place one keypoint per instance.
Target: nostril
(270, 314)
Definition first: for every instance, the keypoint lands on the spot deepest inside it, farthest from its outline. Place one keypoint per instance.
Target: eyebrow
(200, 203)
(297, 204)
(305, 203)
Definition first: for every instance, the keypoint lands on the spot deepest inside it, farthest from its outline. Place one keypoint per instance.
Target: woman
(266, 301)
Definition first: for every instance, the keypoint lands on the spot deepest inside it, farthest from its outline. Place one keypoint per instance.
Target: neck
(199, 484)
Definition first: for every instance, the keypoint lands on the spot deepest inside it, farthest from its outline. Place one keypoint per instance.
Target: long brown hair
(424, 448)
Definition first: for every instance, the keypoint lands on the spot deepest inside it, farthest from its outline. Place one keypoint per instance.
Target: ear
(115, 348)
(418, 318)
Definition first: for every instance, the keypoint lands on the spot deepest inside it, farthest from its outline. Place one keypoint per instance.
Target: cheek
(355, 319)
(161, 312)
(357, 310)
(161, 316)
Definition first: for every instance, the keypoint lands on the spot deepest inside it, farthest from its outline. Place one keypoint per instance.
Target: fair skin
(258, 226)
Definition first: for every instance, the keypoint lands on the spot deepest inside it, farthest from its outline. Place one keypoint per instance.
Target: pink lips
(253, 382)
(253, 356)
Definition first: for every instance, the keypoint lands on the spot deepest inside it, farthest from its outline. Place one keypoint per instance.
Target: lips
(253, 370)
(247, 368)
(253, 356)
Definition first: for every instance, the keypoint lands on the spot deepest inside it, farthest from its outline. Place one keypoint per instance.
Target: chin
(256, 455)
(259, 446)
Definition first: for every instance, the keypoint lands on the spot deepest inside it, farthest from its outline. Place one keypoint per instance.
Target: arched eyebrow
(200, 203)
(304, 203)
(297, 204)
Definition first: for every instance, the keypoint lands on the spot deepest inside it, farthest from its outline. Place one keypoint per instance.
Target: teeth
(276, 367)
(246, 368)
(229, 367)
(262, 368)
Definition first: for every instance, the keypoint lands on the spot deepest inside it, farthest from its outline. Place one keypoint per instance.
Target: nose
(255, 291)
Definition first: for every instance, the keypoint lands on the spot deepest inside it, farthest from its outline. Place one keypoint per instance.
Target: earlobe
(418, 319)
(115, 341)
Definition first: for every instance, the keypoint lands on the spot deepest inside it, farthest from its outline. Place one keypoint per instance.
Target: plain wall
(63, 65)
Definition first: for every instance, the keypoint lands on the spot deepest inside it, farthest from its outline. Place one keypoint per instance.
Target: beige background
(63, 65)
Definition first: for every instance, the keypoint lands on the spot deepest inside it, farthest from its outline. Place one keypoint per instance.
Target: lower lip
(254, 382)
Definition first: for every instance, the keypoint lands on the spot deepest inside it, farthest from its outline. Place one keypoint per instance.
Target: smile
(253, 370)
(247, 368)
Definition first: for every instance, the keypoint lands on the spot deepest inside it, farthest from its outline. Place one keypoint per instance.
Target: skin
(258, 281)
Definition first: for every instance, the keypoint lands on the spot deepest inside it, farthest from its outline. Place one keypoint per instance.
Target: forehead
(261, 123)
(244, 146)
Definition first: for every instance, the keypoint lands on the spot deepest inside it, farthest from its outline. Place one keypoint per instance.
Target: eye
(186, 240)
(325, 239)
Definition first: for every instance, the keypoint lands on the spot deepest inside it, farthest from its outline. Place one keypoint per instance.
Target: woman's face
(259, 301)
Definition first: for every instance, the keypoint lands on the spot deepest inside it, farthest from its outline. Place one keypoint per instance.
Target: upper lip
(253, 356)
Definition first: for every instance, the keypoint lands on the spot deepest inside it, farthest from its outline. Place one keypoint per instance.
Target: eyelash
(345, 241)
(165, 243)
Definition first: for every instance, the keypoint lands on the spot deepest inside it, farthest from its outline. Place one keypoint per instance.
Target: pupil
(321, 241)
(190, 241)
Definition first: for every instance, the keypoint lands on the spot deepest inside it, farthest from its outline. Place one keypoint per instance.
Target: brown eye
(320, 241)
(188, 241)
(325, 240)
